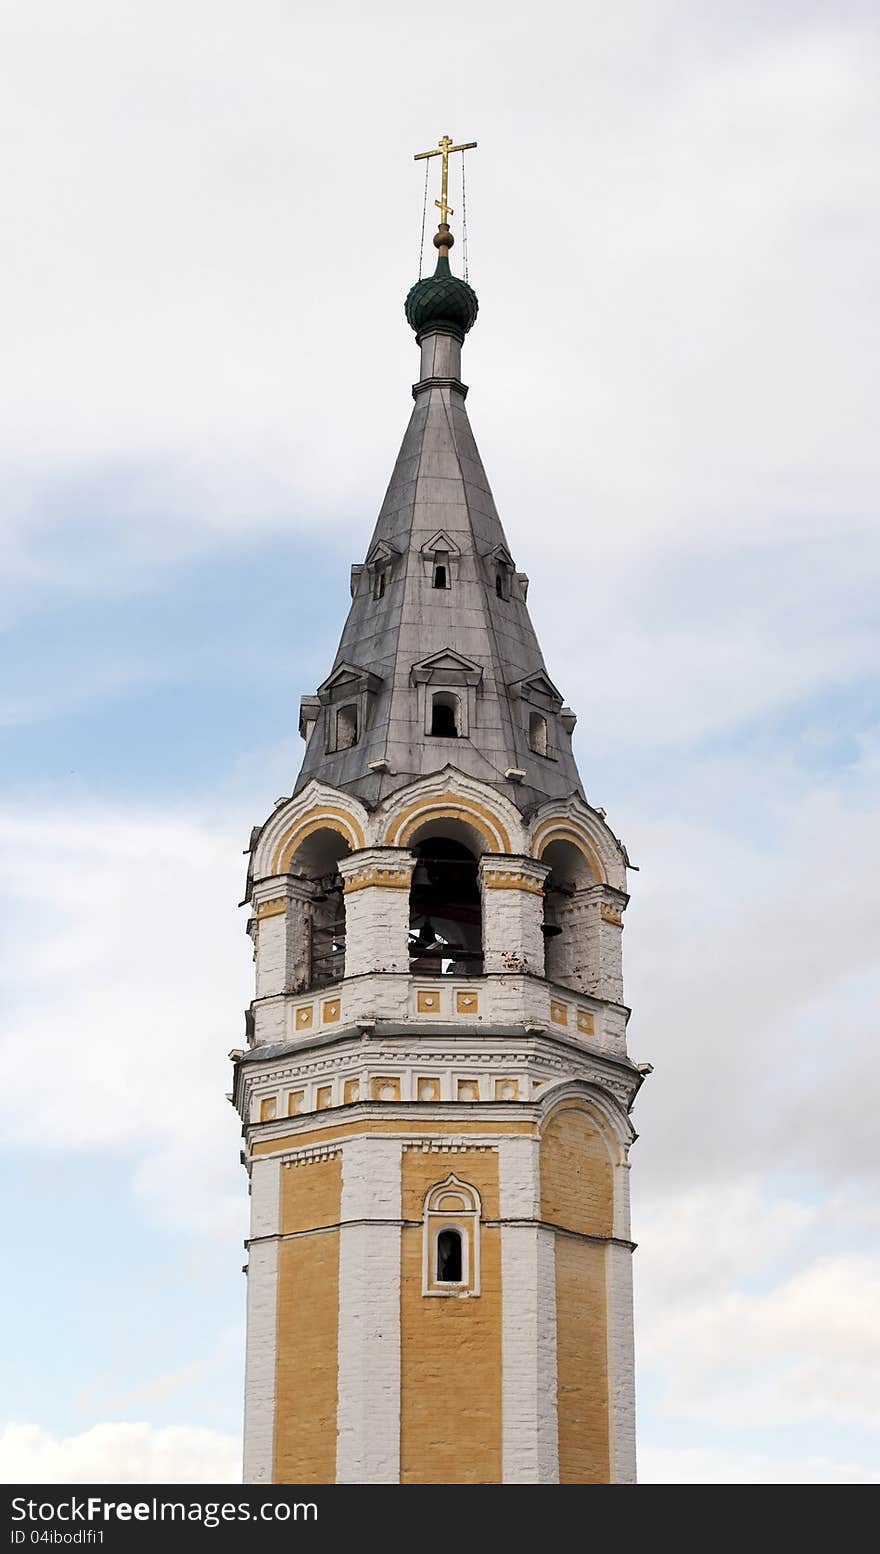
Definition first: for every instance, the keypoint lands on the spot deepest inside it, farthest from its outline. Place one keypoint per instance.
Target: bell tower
(435, 1093)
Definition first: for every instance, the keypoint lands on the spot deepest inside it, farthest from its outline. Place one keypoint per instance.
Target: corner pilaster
(512, 889)
(376, 888)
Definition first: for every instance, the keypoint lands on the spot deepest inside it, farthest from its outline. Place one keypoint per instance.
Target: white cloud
(119, 1454)
(130, 973)
(702, 1465)
(754, 1314)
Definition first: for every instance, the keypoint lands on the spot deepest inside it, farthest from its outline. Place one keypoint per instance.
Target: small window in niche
(346, 727)
(538, 733)
(380, 583)
(440, 575)
(449, 1258)
(445, 715)
(499, 585)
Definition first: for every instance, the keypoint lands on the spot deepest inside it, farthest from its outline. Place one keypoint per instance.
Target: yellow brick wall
(577, 1187)
(581, 1362)
(311, 1195)
(450, 1419)
(577, 1181)
(308, 1313)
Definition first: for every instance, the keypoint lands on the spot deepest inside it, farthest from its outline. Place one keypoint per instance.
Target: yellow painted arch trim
(316, 820)
(448, 807)
(567, 831)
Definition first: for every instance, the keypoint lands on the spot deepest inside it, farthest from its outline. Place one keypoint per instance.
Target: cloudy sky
(210, 220)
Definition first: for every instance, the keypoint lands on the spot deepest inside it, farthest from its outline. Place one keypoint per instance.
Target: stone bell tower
(435, 1093)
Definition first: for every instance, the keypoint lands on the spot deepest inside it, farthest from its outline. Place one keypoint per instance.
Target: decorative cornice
(440, 383)
(384, 878)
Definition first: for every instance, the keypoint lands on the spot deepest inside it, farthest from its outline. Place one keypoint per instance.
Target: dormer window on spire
(380, 567)
(447, 685)
(440, 559)
(346, 697)
(500, 571)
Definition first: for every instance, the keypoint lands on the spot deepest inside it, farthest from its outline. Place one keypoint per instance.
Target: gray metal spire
(438, 636)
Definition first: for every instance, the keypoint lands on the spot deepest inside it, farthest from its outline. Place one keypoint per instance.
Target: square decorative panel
(585, 1022)
(331, 1011)
(268, 1108)
(351, 1090)
(385, 1088)
(559, 1013)
(468, 1090)
(507, 1089)
(323, 1097)
(429, 1089)
(295, 1102)
(467, 1003)
(428, 1003)
(304, 1017)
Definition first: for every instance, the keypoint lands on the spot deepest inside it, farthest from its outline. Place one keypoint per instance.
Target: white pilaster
(621, 1363)
(377, 882)
(530, 1448)
(513, 913)
(262, 1315)
(368, 1418)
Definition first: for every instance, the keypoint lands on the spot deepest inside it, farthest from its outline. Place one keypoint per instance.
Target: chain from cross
(445, 149)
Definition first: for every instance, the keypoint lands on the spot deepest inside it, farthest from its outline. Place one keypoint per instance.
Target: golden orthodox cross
(445, 149)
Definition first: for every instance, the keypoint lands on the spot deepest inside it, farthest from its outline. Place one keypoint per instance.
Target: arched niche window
(538, 733)
(441, 572)
(445, 715)
(445, 912)
(451, 1239)
(317, 928)
(346, 726)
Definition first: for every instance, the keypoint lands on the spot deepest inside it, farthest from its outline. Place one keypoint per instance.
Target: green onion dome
(441, 301)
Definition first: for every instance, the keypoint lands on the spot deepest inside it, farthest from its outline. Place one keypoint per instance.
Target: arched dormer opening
(347, 726)
(569, 875)
(445, 715)
(445, 920)
(320, 930)
(538, 733)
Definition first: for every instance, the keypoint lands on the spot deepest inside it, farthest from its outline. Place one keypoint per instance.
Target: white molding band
(368, 1413)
